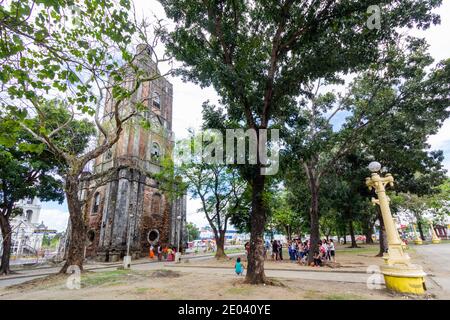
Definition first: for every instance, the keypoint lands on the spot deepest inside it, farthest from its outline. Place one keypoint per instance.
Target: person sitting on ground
(170, 254)
(239, 267)
(165, 251)
(317, 259)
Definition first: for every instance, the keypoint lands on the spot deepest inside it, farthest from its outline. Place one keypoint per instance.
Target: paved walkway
(435, 259)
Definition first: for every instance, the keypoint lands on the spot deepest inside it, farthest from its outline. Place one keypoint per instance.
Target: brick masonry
(132, 201)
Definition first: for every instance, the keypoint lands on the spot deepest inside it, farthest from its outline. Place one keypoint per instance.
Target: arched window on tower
(96, 203)
(156, 152)
(156, 100)
(29, 215)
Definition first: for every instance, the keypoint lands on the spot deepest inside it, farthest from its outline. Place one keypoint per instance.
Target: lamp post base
(418, 241)
(404, 278)
(436, 241)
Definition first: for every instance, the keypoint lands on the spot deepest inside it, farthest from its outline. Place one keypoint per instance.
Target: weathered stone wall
(131, 203)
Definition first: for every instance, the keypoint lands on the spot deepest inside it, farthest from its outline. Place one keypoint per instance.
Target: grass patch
(362, 249)
(244, 290)
(342, 296)
(311, 294)
(142, 290)
(103, 278)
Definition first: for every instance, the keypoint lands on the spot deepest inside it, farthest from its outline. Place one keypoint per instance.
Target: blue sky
(188, 99)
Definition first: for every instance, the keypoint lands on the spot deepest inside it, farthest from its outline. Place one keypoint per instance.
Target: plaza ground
(211, 279)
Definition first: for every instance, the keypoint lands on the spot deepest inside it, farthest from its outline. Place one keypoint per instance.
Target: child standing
(332, 251)
(239, 267)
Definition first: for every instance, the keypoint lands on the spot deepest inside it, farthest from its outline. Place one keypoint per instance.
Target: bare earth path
(206, 278)
(435, 259)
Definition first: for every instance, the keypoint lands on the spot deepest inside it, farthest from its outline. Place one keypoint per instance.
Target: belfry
(131, 208)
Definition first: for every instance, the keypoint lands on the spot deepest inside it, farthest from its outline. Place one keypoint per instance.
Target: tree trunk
(6, 234)
(255, 272)
(367, 230)
(77, 239)
(420, 227)
(368, 234)
(314, 217)
(382, 236)
(220, 242)
(352, 234)
(288, 233)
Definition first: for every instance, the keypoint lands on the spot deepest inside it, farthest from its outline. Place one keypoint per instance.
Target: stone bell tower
(131, 207)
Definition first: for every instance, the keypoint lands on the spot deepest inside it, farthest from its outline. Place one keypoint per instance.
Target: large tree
(381, 108)
(220, 190)
(259, 54)
(26, 171)
(79, 54)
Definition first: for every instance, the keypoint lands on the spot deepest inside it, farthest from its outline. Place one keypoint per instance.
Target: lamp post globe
(374, 166)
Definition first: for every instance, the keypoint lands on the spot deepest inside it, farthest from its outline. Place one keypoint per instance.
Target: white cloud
(441, 140)
(54, 218)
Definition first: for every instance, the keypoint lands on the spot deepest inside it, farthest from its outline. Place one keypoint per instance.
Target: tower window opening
(156, 100)
(96, 202)
(156, 152)
(29, 215)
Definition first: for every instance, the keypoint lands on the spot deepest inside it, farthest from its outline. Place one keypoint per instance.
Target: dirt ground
(165, 284)
(170, 283)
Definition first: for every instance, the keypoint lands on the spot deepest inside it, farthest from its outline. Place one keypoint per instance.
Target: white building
(27, 232)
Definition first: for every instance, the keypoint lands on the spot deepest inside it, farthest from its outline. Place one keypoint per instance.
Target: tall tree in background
(193, 231)
(220, 190)
(381, 106)
(73, 58)
(258, 55)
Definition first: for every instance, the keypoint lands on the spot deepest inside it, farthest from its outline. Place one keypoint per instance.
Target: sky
(188, 99)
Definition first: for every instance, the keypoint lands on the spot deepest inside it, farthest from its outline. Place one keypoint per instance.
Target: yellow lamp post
(417, 240)
(434, 238)
(399, 273)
